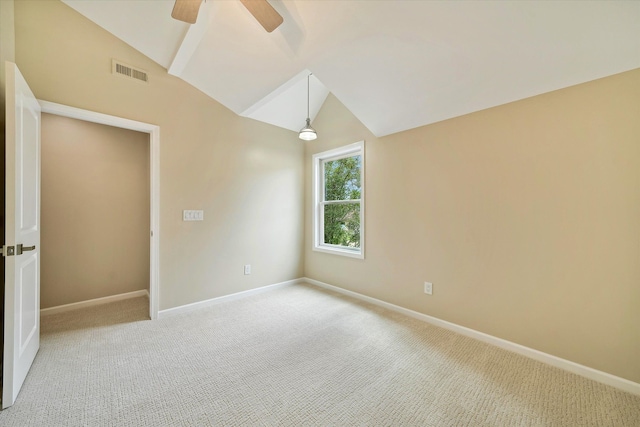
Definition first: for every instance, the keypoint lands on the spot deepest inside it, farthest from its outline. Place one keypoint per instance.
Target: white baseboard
(567, 365)
(226, 298)
(92, 302)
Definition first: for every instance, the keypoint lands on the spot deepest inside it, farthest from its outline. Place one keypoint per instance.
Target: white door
(22, 239)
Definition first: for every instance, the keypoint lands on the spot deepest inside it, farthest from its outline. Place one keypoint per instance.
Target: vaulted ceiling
(394, 64)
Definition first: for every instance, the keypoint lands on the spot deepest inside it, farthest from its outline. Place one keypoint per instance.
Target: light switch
(192, 215)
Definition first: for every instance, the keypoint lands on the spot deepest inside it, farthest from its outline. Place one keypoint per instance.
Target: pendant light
(308, 133)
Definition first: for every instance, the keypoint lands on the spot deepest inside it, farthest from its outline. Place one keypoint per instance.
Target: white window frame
(318, 199)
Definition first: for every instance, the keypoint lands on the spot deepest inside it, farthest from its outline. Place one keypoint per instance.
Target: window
(338, 193)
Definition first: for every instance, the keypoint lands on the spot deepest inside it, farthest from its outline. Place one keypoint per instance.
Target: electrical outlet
(247, 269)
(428, 288)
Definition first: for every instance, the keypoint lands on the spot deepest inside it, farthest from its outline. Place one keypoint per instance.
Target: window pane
(342, 224)
(342, 178)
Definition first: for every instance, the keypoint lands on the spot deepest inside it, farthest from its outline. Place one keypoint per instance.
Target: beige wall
(526, 218)
(7, 53)
(7, 44)
(95, 211)
(247, 176)
(7, 47)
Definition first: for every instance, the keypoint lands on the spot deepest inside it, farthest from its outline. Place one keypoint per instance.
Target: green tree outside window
(342, 193)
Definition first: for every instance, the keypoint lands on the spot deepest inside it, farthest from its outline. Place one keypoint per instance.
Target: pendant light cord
(308, 133)
(308, 99)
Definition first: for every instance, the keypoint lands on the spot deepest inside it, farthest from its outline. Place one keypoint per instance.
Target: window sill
(339, 251)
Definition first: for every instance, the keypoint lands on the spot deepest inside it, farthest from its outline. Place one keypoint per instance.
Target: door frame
(154, 161)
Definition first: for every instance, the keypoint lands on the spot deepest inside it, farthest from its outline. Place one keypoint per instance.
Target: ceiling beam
(191, 40)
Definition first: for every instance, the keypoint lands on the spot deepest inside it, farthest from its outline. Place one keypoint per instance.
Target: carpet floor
(295, 356)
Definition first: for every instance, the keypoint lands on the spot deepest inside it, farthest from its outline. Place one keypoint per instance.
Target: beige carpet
(296, 356)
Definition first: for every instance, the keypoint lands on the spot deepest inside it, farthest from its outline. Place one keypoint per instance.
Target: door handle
(20, 249)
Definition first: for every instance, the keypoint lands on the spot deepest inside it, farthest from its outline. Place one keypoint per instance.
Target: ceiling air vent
(125, 70)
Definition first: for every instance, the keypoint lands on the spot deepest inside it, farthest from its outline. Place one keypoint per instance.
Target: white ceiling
(394, 64)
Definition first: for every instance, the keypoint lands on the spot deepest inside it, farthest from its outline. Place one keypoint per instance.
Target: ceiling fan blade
(186, 10)
(264, 13)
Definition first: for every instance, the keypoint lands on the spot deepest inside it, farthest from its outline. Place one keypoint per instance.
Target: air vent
(124, 70)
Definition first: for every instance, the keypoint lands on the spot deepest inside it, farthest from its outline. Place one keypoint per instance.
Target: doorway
(94, 239)
(154, 216)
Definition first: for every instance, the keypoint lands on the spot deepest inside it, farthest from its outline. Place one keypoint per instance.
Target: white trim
(154, 154)
(90, 303)
(154, 267)
(338, 250)
(94, 117)
(318, 160)
(226, 298)
(567, 365)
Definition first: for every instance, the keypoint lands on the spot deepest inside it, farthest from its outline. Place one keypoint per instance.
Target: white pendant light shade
(307, 133)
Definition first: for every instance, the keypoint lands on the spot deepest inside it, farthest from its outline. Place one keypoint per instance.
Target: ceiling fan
(265, 14)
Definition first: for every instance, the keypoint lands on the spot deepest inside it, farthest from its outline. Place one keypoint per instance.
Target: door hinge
(8, 250)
